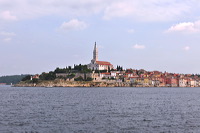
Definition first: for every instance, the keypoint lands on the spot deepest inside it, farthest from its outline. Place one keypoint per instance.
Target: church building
(98, 65)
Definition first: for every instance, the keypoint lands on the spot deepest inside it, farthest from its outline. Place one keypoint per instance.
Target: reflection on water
(61, 110)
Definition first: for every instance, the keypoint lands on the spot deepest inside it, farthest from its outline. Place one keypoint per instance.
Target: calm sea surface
(99, 110)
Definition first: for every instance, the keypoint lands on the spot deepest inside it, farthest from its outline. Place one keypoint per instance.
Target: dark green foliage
(28, 77)
(79, 79)
(61, 70)
(89, 79)
(119, 68)
(35, 80)
(108, 69)
(82, 68)
(139, 72)
(70, 76)
(77, 68)
(129, 71)
(100, 71)
(14, 79)
(69, 67)
(112, 78)
(48, 76)
(97, 71)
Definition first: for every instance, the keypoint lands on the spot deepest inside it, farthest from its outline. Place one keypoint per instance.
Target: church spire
(95, 53)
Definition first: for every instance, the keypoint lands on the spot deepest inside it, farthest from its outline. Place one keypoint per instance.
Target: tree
(35, 80)
(108, 69)
(14, 79)
(70, 76)
(60, 70)
(80, 78)
(89, 79)
(28, 77)
(48, 76)
(119, 68)
(82, 68)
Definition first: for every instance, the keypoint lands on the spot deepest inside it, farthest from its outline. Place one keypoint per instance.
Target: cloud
(137, 46)
(6, 15)
(138, 10)
(131, 31)
(118, 9)
(3, 33)
(8, 39)
(29, 9)
(73, 24)
(186, 48)
(7, 36)
(186, 27)
(151, 10)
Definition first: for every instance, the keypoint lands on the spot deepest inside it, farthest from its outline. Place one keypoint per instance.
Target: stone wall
(63, 83)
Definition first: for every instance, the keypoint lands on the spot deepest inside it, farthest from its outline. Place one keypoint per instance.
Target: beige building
(182, 82)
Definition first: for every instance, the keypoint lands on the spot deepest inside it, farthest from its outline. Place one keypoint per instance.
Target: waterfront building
(182, 82)
(105, 75)
(146, 81)
(172, 81)
(99, 65)
(162, 81)
(155, 81)
(192, 83)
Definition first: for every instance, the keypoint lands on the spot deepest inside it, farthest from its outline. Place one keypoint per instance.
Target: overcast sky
(39, 35)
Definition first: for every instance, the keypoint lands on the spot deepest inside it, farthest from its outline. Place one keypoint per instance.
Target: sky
(40, 35)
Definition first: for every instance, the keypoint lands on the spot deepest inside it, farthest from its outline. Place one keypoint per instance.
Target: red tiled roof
(103, 63)
(134, 77)
(106, 73)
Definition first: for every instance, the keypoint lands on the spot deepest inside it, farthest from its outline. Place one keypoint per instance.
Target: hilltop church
(98, 65)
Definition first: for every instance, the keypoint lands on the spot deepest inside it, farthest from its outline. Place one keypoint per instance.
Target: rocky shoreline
(60, 83)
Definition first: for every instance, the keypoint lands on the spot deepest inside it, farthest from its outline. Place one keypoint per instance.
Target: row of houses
(154, 78)
(137, 78)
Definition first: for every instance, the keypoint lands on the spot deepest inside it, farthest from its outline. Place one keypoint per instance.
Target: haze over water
(61, 110)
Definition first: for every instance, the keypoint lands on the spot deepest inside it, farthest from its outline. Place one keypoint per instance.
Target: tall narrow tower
(95, 53)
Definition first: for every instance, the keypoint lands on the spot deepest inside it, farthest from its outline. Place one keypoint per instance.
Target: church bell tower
(95, 53)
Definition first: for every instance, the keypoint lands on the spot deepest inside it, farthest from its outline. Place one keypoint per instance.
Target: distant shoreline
(60, 83)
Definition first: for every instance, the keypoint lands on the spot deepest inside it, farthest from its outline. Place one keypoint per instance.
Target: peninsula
(103, 74)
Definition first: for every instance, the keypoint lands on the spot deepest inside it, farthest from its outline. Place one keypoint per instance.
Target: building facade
(99, 65)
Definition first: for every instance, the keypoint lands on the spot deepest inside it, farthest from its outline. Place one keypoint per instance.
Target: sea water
(99, 110)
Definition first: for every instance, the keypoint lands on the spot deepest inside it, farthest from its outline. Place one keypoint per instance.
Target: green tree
(89, 79)
(60, 70)
(48, 76)
(70, 76)
(35, 80)
(14, 79)
(80, 78)
(28, 77)
(82, 68)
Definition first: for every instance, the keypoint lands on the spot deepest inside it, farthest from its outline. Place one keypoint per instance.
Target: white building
(182, 82)
(99, 65)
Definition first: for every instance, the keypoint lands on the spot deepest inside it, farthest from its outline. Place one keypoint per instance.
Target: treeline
(14, 79)
(77, 68)
(68, 70)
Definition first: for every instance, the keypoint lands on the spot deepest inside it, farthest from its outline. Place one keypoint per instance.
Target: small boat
(49, 86)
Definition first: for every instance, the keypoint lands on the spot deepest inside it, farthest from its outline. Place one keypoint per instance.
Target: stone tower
(95, 53)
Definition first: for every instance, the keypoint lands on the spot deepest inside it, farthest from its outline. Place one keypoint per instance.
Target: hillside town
(142, 78)
(103, 71)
